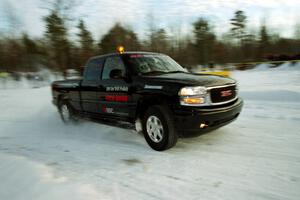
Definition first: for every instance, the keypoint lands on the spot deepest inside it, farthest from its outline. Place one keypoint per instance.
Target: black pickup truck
(152, 90)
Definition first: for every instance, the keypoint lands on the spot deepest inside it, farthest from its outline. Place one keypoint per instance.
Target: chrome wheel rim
(155, 129)
(65, 113)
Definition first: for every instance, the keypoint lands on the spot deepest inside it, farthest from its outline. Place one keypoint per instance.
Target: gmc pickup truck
(150, 88)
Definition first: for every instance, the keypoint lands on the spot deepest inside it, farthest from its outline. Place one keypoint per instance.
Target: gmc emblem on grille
(226, 93)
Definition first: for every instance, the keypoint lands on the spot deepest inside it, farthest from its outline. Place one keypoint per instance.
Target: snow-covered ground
(256, 157)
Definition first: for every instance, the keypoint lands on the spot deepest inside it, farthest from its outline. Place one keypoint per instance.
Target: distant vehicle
(151, 88)
(4, 74)
(224, 73)
(213, 70)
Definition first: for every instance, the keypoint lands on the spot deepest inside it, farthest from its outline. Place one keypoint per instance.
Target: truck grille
(222, 94)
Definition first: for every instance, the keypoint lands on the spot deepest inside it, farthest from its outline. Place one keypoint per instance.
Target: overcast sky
(280, 15)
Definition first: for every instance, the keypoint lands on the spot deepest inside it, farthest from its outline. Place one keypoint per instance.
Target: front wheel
(66, 112)
(158, 128)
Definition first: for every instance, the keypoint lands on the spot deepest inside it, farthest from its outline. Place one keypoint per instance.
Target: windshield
(147, 64)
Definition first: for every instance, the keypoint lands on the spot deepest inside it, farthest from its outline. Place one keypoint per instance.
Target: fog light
(203, 125)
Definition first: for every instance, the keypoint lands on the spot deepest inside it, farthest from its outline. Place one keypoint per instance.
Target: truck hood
(190, 79)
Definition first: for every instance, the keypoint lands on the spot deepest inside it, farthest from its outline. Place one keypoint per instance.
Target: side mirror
(116, 74)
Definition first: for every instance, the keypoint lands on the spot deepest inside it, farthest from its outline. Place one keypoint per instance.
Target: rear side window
(112, 63)
(93, 69)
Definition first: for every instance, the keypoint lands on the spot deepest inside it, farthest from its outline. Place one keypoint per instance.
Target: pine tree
(30, 48)
(118, 35)
(238, 31)
(297, 31)
(239, 25)
(159, 41)
(264, 42)
(204, 41)
(86, 42)
(57, 38)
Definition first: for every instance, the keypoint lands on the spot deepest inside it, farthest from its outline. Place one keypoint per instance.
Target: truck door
(91, 85)
(115, 96)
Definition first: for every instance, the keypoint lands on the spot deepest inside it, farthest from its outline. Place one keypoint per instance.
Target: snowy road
(256, 157)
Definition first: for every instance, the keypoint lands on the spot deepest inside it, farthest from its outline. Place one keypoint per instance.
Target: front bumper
(188, 120)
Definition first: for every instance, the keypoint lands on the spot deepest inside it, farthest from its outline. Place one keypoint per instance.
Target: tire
(158, 128)
(66, 112)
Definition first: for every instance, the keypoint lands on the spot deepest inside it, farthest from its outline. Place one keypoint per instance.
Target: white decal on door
(117, 88)
(156, 87)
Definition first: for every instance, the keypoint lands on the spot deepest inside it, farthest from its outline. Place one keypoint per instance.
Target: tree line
(56, 50)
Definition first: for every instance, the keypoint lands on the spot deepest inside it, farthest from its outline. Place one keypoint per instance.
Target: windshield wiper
(160, 72)
(153, 72)
(178, 71)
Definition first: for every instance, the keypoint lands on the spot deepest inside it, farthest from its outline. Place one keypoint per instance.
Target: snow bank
(288, 66)
(262, 67)
(285, 66)
(271, 80)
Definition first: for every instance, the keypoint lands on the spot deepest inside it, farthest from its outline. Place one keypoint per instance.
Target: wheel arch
(62, 97)
(151, 100)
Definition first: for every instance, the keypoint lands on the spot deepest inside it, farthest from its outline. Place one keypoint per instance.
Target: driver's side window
(112, 63)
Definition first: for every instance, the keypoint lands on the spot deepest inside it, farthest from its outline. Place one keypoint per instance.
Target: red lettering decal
(122, 98)
(116, 98)
(109, 98)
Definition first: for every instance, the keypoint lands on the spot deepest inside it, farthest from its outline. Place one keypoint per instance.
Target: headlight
(192, 96)
(191, 91)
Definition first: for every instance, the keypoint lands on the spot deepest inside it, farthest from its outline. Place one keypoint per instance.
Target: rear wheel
(158, 128)
(66, 112)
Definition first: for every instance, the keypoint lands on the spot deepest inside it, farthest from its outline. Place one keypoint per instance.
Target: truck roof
(125, 53)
